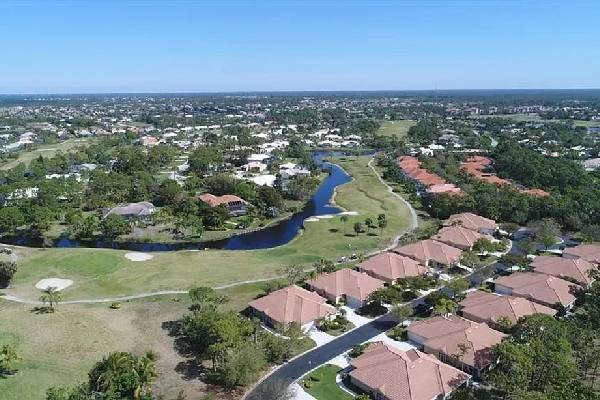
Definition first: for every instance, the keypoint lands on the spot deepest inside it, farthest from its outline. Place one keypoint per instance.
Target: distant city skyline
(242, 46)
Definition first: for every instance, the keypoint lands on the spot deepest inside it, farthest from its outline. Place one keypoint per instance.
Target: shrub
(7, 271)
(115, 306)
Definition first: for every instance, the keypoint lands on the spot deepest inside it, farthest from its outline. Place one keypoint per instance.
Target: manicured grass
(398, 128)
(325, 387)
(46, 151)
(59, 349)
(105, 272)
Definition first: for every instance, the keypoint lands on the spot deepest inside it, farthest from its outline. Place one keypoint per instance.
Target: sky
(106, 46)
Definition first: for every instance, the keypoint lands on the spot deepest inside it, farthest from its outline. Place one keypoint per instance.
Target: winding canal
(272, 236)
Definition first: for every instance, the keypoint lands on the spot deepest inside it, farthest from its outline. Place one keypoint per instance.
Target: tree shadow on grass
(333, 230)
(42, 310)
(189, 369)
(6, 373)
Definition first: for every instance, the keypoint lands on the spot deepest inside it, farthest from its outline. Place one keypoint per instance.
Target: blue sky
(59, 46)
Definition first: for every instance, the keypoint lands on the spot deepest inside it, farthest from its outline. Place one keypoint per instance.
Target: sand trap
(135, 256)
(349, 213)
(311, 219)
(57, 283)
(326, 216)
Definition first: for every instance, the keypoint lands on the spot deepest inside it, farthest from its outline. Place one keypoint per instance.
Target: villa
(387, 373)
(234, 204)
(291, 305)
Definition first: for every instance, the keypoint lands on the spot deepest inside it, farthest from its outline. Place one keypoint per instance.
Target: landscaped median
(322, 385)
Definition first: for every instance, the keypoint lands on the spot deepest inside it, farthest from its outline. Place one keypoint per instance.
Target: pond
(272, 236)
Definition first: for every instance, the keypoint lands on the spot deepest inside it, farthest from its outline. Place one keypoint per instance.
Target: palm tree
(344, 218)
(381, 223)
(358, 227)
(114, 362)
(8, 356)
(368, 223)
(145, 371)
(51, 296)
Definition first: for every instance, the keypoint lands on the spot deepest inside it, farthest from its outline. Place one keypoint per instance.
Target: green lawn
(106, 272)
(399, 128)
(59, 349)
(46, 151)
(325, 387)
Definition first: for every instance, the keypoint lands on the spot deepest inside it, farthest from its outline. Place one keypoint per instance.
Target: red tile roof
(488, 307)
(347, 282)
(458, 236)
(446, 334)
(293, 304)
(410, 375)
(471, 221)
(541, 288)
(215, 201)
(429, 249)
(392, 266)
(575, 269)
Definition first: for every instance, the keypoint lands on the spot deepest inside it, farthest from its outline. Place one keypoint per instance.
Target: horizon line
(283, 91)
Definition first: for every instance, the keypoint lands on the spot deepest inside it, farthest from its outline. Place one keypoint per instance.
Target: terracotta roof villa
(236, 205)
(291, 304)
(541, 288)
(472, 221)
(431, 251)
(346, 283)
(390, 267)
(411, 167)
(458, 236)
(388, 373)
(589, 252)
(445, 336)
(476, 166)
(480, 306)
(573, 269)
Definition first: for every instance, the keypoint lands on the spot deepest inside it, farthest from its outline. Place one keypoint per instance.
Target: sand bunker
(311, 219)
(135, 256)
(58, 283)
(326, 216)
(349, 213)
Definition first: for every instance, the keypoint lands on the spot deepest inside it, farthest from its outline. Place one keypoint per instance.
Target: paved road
(298, 367)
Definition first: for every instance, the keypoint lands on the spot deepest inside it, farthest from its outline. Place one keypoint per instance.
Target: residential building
(431, 253)
(497, 310)
(387, 373)
(541, 288)
(572, 269)
(458, 236)
(389, 267)
(346, 284)
(235, 205)
(464, 344)
(291, 304)
(473, 222)
(142, 210)
(589, 252)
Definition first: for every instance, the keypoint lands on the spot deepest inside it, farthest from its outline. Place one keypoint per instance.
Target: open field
(58, 349)
(537, 118)
(399, 128)
(325, 387)
(101, 273)
(46, 151)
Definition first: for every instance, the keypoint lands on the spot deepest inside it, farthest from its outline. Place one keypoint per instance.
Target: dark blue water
(269, 237)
